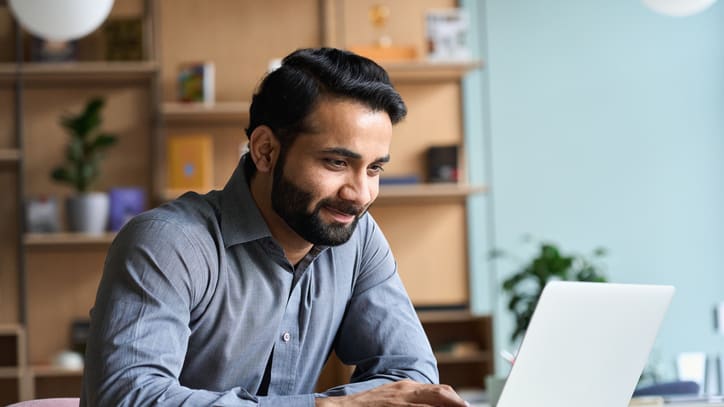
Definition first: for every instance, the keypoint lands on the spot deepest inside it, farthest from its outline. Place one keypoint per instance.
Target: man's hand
(402, 393)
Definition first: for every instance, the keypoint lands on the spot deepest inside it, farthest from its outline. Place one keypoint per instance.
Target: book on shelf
(411, 179)
(196, 82)
(190, 162)
(442, 164)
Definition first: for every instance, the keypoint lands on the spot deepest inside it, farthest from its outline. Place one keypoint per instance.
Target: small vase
(88, 212)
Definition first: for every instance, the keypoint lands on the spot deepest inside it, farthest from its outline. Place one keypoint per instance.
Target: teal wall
(601, 123)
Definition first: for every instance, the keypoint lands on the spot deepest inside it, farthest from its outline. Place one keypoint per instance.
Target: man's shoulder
(191, 214)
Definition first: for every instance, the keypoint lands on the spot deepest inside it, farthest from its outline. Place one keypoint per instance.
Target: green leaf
(83, 153)
(104, 140)
(525, 286)
(61, 174)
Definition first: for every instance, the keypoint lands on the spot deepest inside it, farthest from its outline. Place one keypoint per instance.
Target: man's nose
(357, 189)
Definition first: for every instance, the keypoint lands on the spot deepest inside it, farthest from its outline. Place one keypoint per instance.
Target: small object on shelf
(190, 159)
(42, 50)
(465, 348)
(79, 335)
(196, 82)
(442, 164)
(399, 180)
(41, 215)
(390, 53)
(69, 360)
(383, 49)
(447, 35)
(125, 203)
(124, 39)
(87, 211)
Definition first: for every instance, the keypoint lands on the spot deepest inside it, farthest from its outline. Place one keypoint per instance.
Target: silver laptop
(586, 345)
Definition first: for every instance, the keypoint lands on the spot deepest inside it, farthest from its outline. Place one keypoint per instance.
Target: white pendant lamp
(678, 8)
(60, 20)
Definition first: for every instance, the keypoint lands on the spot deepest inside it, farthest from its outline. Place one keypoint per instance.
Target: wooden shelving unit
(54, 371)
(80, 71)
(463, 345)
(200, 112)
(12, 363)
(50, 381)
(421, 71)
(56, 275)
(9, 156)
(397, 194)
(66, 239)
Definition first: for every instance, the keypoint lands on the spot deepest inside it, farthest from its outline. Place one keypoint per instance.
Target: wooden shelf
(201, 112)
(54, 371)
(422, 71)
(450, 358)
(79, 71)
(11, 372)
(444, 316)
(9, 156)
(66, 239)
(426, 192)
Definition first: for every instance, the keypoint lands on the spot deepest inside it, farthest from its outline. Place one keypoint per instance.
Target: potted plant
(87, 211)
(525, 286)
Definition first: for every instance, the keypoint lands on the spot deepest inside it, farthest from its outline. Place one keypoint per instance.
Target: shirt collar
(241, 221)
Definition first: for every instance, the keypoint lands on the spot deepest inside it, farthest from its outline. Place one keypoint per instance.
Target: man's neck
(294, 246)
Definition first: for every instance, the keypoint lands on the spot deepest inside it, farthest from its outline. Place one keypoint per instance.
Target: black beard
(291, 202)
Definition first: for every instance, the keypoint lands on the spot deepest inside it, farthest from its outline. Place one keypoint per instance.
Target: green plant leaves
(526, 285)
(84, 151)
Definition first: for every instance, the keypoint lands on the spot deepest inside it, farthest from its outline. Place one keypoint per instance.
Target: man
(238, 297)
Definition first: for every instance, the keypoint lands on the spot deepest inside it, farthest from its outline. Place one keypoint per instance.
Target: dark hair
(288, 95)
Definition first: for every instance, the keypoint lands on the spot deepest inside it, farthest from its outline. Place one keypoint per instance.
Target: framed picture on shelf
(123, 39)
(447, 34)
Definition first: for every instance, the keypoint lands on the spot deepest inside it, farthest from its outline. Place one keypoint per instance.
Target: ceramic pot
(88, 212)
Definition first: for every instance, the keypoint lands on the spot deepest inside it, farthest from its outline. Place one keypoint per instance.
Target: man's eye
(335, 163)
(376, 169)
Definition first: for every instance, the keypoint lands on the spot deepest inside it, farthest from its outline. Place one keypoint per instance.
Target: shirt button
(286, 336)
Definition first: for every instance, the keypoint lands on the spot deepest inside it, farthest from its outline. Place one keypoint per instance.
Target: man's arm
(382, 336)
(400, 393)
(140, 324)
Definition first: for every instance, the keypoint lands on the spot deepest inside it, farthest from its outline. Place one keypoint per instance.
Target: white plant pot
(88, 212)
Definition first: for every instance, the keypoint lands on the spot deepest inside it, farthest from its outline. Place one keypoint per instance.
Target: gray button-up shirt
(197, 298)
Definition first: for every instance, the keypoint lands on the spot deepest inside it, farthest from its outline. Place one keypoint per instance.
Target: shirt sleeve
(381, 334)
(140, 324)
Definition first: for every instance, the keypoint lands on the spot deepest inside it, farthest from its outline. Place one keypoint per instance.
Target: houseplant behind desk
(87, 211)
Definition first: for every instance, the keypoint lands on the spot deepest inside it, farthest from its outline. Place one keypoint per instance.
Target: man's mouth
(342, 215)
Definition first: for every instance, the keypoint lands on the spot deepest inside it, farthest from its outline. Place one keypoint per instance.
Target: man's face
(327, 179)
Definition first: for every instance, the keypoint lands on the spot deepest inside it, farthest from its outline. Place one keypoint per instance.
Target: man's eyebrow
(351, 154)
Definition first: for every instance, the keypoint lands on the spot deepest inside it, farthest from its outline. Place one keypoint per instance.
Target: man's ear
(263, 148)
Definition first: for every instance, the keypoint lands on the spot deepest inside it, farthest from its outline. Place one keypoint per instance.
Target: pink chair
(57, 402)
